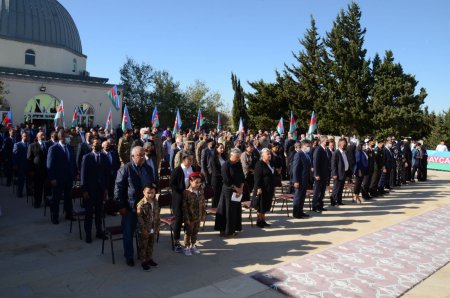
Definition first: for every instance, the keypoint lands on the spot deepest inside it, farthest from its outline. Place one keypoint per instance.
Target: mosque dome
(44, 22)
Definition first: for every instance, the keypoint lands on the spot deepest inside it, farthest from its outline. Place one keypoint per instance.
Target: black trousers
(299, 200)
(64, 190)
(366, 185)
(338, 188)
(320, 187)
(38, 181)
(177, 210)
(358, 183)
(93, 207)
(413, 172)
(8, 172)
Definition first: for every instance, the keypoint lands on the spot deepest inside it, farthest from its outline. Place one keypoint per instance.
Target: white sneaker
(187, 251)
(195, 250)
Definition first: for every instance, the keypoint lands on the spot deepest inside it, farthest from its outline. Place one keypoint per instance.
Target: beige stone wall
(22, 90)
(12, 54)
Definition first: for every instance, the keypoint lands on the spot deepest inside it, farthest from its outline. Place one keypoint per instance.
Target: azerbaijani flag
(199, 123)
(7, 121)
(75, 117)
(109, 120)
(312, 125)
(280, 126)
(177, 125)
(179, 118)
(293, 127)
(241, 126)
(155, 117)
(113, 95)
(219, 125)
(59, 117)
(126, 121)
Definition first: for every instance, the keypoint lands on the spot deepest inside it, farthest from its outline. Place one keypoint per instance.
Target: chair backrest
(165, 200)
(208, 191)
(164, 172)
(165, 164)
(77, 192)
(164, 183)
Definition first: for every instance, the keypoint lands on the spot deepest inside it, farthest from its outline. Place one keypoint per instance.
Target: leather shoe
(340, 204)
(55, 221)
(265, 224)
(152, 263)
(70, 218)
(317, 210)
(130, 262)
(88, 239)
(304, 215)
(323, 209)
(101, 236)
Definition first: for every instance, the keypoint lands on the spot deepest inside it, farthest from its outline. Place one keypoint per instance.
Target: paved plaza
(38, 259)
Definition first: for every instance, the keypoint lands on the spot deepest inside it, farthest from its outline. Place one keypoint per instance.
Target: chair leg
(273, 204)
(137, 247)
(282, 205)
(287, 208)
(157, 237)
(112, 250)
(70, 230)
(171, 238)
(79, 227)
(310, 203)
(204, 221)
(103, 243)
(251, 217)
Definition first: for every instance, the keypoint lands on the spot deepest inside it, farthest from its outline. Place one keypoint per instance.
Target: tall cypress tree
(349, 70)
(304, 81)
(239, 109)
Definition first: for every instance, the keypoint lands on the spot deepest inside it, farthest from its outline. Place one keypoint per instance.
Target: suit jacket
(320, 163)
(177, 185)
(7, 149)
(205, 157)
(37, 157)
(20, 150)
(59, 167)
(338, 165)
(94, 175)
(128, 188)
(114, 164)
(83, 149)
(301, 169)
(137, 142)
(361, 163)
(388, 158)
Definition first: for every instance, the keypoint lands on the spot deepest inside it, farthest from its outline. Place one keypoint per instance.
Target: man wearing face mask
(389, 164)
(95, 171)
(321, 173)
(368, 151)
(379, 168)
(61, 170)
(144, 137)
(340, 167)
(301, 171)
(37, 158)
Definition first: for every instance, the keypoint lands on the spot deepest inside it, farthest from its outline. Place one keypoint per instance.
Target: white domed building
(42, 64)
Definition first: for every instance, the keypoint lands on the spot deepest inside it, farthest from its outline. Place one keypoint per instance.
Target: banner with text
(438, 160)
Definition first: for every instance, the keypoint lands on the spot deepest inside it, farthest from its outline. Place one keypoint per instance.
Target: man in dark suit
(206, 154)
(144, 137)
(95, 175)
(7, 152)
(130, 182)
(389, 163)
(53, 139)
(114, 165)
(320, 164)
(301, 171)
(370, 168)
(37, 158)
(61, 170)
(20, 162)
(378, 169)
(83, 149)
(339, 171)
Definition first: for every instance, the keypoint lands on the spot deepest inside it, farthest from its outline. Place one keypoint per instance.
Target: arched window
(74, 64)
(30, 57)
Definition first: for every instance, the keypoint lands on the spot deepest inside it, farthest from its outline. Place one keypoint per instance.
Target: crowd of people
(125, 167)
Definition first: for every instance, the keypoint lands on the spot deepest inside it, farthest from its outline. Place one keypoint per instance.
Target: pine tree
(395, 108)
(349, 71)
(239, 105)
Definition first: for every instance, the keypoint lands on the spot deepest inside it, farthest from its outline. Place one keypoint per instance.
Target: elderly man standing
(130, 183)
(340, 167)
(144, 137)
(321, 173)
(37, 158)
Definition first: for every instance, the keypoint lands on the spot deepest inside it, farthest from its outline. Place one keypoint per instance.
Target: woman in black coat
(229, 212)
(215, 170)
(264, 189)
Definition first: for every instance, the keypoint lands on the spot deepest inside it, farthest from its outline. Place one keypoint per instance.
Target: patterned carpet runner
(386, 263)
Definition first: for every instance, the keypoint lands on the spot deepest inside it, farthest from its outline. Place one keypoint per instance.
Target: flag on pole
(293, 127)
(241, 126)
(176, 125)
(126, 121)
(7, 121)
(219, 125)
(155, 118)
(113, 95)
(75, 117)
(109, 120)
(59, 117)
(199, 122)
(179, 118)
(312, 125)
(280, 126)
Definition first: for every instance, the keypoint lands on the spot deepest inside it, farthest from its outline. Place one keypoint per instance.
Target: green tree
(349, 71)
(239, 109)
(395, 108)
(137, 80)
(440, 129)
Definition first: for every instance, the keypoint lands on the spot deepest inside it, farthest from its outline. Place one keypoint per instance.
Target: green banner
(438, 160)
